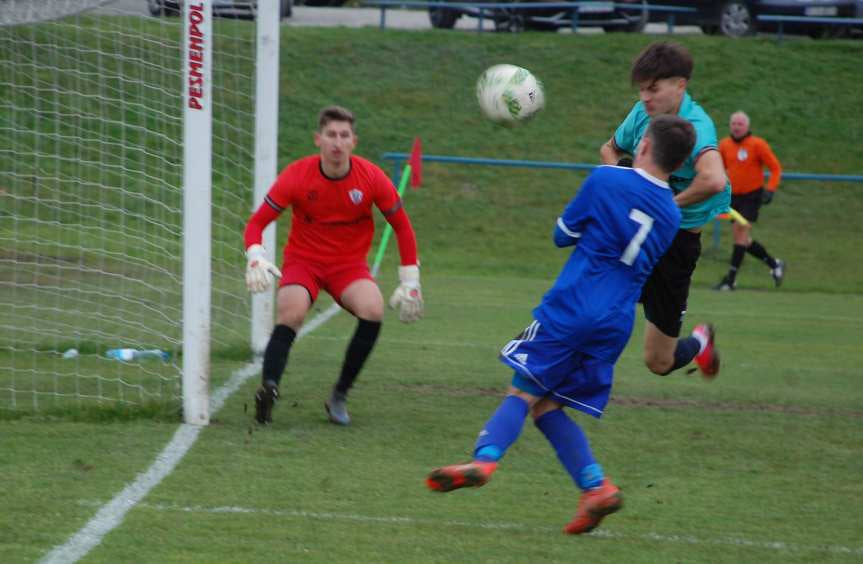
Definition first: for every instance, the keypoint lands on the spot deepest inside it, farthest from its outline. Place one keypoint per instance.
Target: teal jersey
(630, 132)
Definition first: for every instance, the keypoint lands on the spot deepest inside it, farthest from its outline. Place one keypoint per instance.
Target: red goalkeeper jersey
(332, 218)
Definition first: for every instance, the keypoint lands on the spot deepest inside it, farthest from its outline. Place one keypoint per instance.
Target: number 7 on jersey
(645, 223)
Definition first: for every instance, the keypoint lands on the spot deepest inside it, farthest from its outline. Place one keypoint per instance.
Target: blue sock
(572, 448)
(684, 352)
(502, 430)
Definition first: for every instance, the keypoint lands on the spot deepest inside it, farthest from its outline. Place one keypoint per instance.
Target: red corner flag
(416, 162)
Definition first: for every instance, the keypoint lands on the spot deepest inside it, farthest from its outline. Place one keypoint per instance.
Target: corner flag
(416, 162)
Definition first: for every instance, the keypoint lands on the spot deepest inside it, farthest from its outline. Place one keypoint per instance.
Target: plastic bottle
(134, 354)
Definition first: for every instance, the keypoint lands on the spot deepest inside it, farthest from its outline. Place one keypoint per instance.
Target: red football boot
(593, 506)
(471, 475)
(708, 359)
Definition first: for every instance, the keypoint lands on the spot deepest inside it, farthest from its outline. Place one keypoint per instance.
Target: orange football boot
(593, 506)
(471, 475)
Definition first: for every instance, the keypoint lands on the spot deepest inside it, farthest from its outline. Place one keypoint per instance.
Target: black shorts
(667, 288)
(748, 204)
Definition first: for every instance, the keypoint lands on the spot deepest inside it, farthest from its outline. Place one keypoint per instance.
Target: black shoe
(725, 285)
(778, 273)
(337, 408)
(265, 399)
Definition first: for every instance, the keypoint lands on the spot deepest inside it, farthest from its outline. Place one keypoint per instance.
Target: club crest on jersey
(356, 195)
(742, 154)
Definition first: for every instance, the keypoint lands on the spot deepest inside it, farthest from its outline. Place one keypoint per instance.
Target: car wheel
(155, 7)
(286, 8)
(442, 18)
(508, 21)
(160, 8)
(735, 20)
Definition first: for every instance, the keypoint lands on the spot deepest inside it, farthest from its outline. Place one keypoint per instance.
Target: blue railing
(782, 20)
(398, 158)
(482, 10)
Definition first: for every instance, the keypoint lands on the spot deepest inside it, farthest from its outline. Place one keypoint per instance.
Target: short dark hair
(334, 113)
(661, 60)
(672, 139)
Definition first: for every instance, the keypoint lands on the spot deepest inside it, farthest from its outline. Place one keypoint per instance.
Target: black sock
(684, 352)
(358, 351)
(276, 354)
(736, 260)
(756, 250)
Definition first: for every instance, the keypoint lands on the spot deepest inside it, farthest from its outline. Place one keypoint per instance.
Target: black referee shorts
(748, 204)
(666, 291)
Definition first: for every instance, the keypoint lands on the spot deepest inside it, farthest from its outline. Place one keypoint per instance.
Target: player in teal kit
(621, 223)
(661, 72)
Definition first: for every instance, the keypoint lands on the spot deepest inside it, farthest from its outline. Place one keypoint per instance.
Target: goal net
(91, 200)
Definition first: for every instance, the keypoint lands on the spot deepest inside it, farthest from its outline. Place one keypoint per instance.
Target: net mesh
(91, 169)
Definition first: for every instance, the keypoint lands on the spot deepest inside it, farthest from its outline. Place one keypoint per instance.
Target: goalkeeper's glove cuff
(256, 252)
(410, 275)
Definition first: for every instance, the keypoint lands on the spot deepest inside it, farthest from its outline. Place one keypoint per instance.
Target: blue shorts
(546, 367)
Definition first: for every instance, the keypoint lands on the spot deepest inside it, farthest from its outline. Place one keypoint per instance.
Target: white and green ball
(509, 94)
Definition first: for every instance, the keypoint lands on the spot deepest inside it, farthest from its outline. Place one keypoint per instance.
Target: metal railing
(399, 158)
(782, 20)
(483, 10)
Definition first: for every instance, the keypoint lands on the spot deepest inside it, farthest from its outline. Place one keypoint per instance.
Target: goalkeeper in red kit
(331, 195)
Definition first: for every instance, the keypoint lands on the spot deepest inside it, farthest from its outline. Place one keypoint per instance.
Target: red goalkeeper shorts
(316, 276)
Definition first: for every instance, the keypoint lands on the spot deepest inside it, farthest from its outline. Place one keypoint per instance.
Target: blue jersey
(622, 221)
(630, 132)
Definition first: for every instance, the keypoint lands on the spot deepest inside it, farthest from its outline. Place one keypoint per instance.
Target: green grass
(762, 464)
(751, 466)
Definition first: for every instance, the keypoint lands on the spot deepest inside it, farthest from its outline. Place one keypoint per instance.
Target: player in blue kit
(621, 223)
(701, 189)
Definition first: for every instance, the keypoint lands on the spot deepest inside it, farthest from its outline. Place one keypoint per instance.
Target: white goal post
(266, 156)
(197, 201)
(129, 164)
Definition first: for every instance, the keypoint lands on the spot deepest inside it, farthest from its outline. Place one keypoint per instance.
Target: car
(607, 15)
(739, 18)
(223, 8)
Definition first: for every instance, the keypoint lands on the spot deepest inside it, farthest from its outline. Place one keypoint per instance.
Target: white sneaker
(725, 286)
(778, 273)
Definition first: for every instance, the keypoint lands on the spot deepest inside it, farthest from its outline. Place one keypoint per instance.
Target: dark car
(606, 15)
(738, 18)
(223, 8)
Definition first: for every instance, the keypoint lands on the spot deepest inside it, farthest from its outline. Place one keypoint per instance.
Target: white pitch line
(112, 513)
(491, 525)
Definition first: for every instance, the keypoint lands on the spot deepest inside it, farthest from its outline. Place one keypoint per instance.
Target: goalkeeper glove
(766, 197)
(408, 298)
(259, 269)
(625, 161)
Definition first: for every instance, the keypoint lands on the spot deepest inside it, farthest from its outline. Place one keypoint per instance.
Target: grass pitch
(761, 464)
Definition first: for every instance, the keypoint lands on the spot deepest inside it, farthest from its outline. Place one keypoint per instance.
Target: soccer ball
(509, 94)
